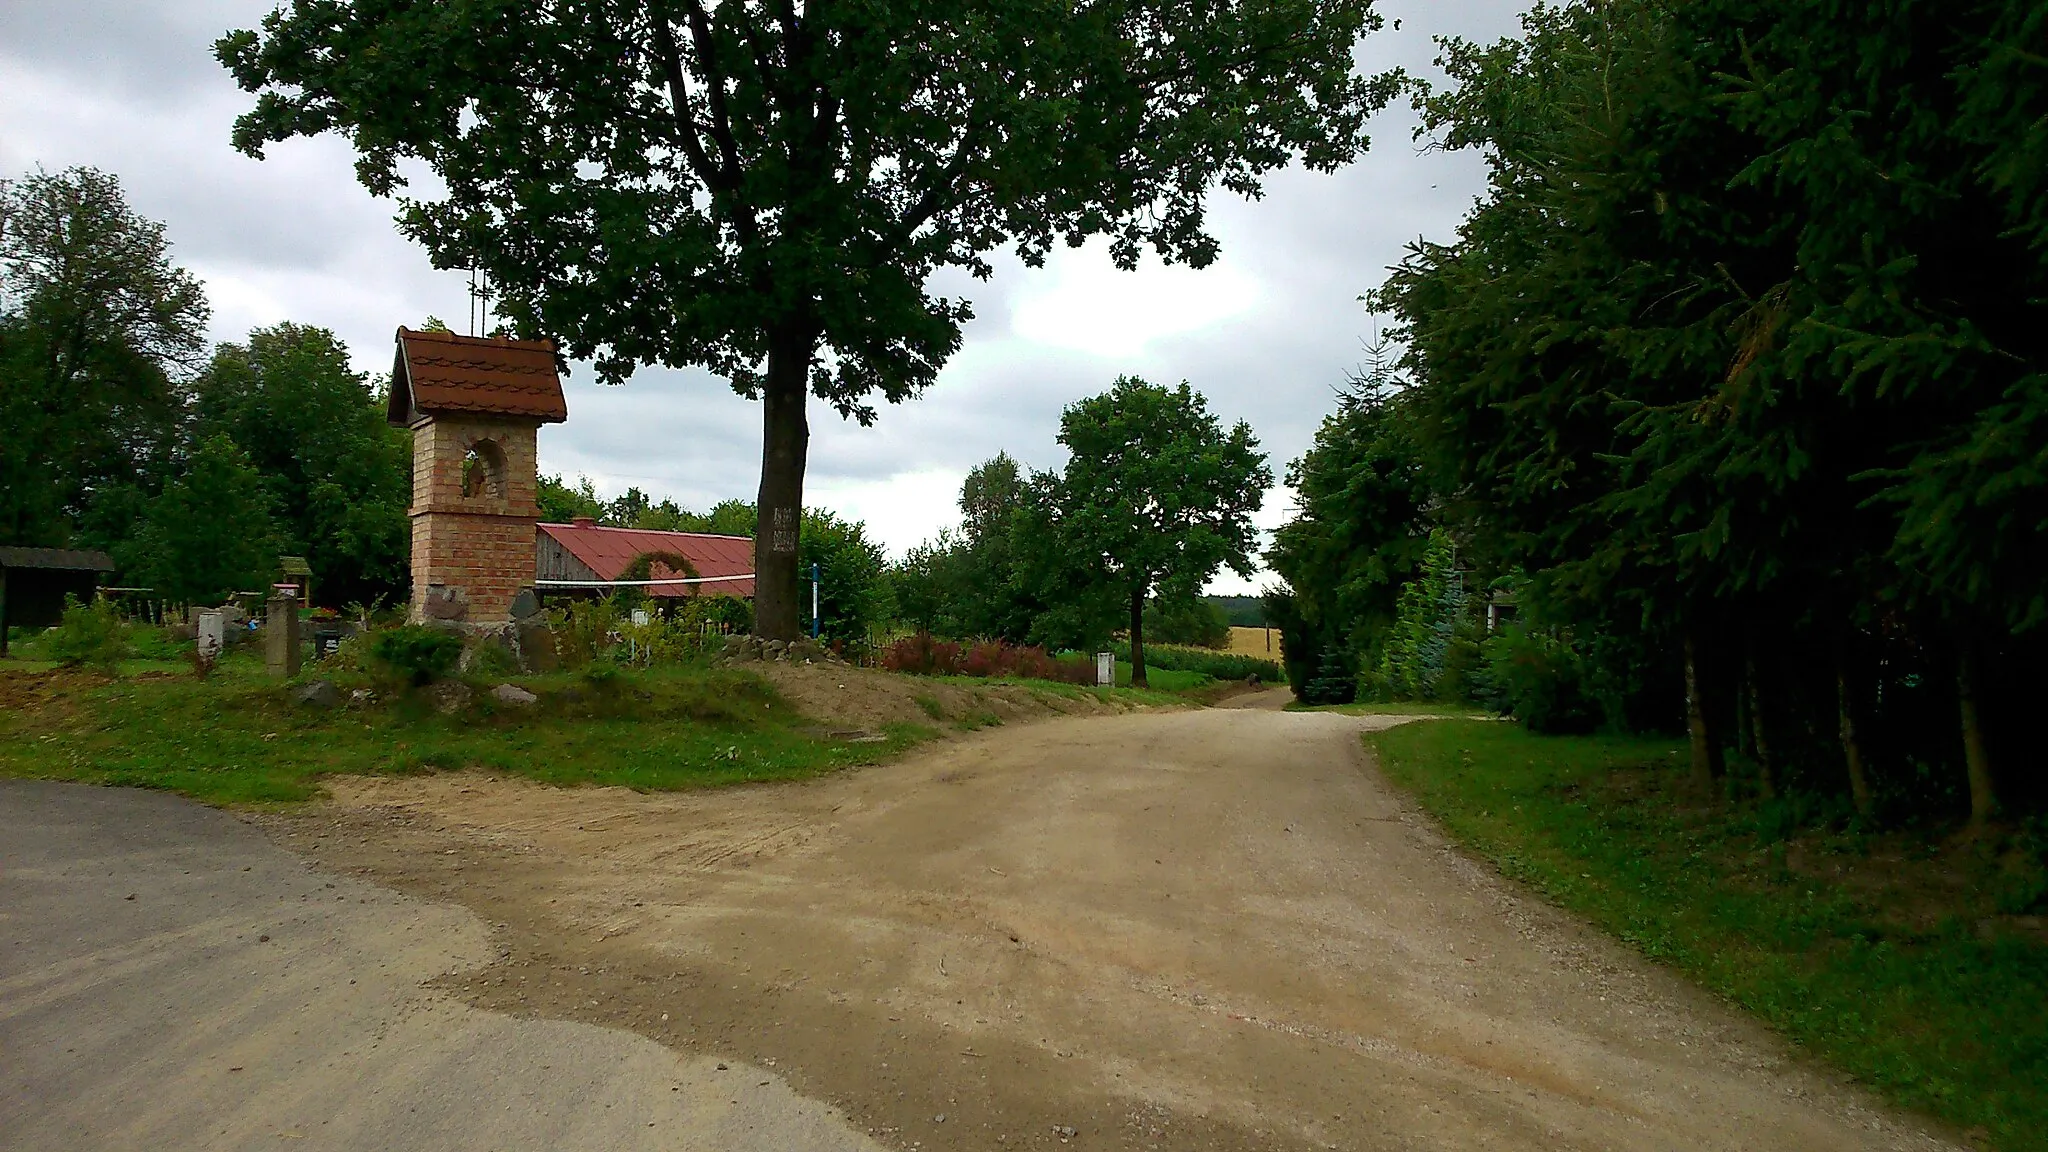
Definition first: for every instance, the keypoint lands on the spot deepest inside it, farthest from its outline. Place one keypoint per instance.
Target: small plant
(89, 635)
(416, 654)
(491, 659)
(1542, 680)
(932, 707)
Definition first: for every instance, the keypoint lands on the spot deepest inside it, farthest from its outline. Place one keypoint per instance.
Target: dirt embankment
(1182, 929)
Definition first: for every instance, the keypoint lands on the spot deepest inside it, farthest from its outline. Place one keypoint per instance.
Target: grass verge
(1920, 967)
(1413, 708)
(237, 738)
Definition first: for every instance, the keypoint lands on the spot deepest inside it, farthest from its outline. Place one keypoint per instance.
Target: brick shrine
(475, 406)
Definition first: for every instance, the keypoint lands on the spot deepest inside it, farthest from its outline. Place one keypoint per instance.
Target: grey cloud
(153, 52)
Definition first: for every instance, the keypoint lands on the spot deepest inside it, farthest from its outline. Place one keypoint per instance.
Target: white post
(1105, 669)
(212, 635)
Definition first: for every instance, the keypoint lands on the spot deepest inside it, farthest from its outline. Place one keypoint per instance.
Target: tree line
(194, 468)
(1155, 498)
(1730, 391)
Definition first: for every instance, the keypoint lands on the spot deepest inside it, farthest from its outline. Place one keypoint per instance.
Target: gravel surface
(1190, 929)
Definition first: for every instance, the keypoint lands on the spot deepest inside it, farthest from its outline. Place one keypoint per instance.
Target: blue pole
(814, 601)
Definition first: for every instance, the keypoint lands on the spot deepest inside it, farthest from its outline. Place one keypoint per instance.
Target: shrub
(1335, 681)
(415, 653)
(925, 655)
(587, 630)
(89, 635)
(584, 630)
(1542, 681)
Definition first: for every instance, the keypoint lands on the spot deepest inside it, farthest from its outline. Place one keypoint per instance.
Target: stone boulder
(321, 694)
(514, 696)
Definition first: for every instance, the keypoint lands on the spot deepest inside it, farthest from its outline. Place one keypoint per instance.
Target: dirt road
(1204, 929)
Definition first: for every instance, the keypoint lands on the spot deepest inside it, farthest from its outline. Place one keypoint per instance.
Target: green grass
(1164, 679)
(1393, 709)
(1152, 697)
(238, 738)
(1893, 957)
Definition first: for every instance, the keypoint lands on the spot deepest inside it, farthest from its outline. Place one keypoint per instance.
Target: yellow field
(1253, 642)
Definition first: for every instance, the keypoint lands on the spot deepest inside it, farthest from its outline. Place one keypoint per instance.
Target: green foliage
(853, 597)
(1156, 495)
(1540, 681)
(1740, 368)
(89, 636)
(1909, 979)
(1358, 533)
(209, 533)
(415, 653)
(1188, 620)
(593, 633)
(1240, 611)
(95, 327)
(989, 580)
(583, 630)
(338, 476)
(1414, 651)
(560, 502)
(1230, 666)
(1335, 680)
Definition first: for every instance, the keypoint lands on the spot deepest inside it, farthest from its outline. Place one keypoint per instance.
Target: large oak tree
(765, 187)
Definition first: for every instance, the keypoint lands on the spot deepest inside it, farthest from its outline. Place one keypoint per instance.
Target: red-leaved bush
(926, 655)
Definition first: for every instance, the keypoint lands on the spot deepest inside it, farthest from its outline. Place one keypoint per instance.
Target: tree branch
(714, 94)
(932, 199)
(671, 57)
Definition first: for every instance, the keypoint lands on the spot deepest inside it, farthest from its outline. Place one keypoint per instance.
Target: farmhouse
(585, 551)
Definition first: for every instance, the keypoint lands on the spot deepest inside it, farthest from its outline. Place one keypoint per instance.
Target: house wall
(471, 554)
(554, 562)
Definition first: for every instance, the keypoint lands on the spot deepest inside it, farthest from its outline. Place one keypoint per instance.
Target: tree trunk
(1852, 748)
(1706, 751)
(779, 509)
(1138, 640)
(1976, 758)
(1766, 772)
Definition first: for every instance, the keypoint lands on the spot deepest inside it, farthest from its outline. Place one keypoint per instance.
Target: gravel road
(1177, 930)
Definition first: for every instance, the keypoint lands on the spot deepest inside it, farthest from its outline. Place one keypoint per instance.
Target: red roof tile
(607, 552)
(442, 372)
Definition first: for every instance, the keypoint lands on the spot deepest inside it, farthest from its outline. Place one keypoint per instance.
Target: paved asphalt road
(170, 980)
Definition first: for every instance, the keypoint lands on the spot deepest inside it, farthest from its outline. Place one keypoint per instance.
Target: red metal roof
(607, 552)
(443, 372)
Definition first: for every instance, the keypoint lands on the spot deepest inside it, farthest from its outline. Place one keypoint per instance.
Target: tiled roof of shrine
(437, 372)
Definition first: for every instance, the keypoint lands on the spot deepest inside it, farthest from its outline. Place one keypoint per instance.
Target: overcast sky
(1267, 333)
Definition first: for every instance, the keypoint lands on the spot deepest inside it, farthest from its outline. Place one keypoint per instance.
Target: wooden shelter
(34, 582)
